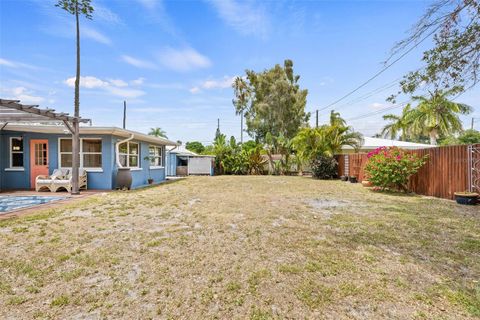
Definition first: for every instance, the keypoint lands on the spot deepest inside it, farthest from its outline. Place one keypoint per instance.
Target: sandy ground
(236, 247)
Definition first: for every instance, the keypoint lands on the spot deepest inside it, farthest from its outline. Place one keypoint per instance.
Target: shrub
(324, 167)
(391, 168)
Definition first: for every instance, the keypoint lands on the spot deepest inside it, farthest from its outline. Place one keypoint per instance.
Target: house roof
(59, 129)
(373, 143)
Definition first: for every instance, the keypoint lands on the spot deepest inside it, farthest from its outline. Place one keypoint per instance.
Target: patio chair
(66, 182)
(43, 182)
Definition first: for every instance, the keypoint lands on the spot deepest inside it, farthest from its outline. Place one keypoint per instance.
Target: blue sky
(173, 61)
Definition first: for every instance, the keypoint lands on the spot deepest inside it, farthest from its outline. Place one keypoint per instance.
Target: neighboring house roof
(184, 152)
(373, 143)
(57, 129)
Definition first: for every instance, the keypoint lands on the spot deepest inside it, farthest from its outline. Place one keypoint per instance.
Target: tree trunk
(433, 137)
(76, 127)
(270, 163)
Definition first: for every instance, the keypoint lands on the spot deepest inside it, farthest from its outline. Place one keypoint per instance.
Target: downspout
(117, 151)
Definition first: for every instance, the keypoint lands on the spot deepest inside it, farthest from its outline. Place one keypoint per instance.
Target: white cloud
(225, 82)
(148, 4)
(138, 82)
(22, 94)
(87, 82)
(95, 35)
(116, 87)
(183, 59)
(137, 62)
(195, 90)
(118, 82)
(378, 105)
(243, 17)
(15, 64)
(105, 14)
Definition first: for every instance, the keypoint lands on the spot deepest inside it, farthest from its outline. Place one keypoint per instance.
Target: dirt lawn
(236, 247)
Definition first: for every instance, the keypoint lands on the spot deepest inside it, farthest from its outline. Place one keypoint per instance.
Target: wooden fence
(445, 172)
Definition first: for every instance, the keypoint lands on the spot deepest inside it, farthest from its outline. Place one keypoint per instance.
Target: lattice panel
(474, 164)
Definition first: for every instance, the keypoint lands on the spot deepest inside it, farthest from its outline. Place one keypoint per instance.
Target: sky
(174, 61)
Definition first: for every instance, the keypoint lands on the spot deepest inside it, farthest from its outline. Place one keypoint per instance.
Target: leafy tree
(454, 59)
(469, 136)
(327, 140)
(398, 126)
(195, 146)
(273, 105)
(310, 143)
(158, 132)
(76, 8)
(437, 115)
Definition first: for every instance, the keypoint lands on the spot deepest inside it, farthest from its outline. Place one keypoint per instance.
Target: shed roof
(184, 152)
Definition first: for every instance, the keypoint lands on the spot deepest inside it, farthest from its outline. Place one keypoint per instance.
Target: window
(90, 153)
(156, 156)
(128, 154)
(16, 152)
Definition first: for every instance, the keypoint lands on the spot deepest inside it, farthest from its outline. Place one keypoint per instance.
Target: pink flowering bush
(391, 168)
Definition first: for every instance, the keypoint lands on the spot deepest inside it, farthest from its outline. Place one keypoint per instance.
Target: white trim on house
(88, 169)
(14, 169)
(128, 155)
(156, 168)
(92, 130)
(159, 154)
(10, 155)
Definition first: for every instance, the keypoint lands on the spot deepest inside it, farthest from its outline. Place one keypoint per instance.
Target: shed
(183, 162)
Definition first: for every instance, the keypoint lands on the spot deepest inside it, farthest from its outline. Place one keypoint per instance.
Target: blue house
(30, 150)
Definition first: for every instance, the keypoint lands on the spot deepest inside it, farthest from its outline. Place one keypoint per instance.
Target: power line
(381, 71)
(374, 113)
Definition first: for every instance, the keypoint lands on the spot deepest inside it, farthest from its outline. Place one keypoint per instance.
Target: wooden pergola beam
(42, 114)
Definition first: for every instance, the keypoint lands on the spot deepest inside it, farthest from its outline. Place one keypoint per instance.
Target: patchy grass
(244, 247)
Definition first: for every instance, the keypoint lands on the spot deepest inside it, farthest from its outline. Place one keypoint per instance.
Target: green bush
(324, 167)
(391, 168)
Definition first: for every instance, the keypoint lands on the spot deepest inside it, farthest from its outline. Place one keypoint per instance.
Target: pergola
(13, 112)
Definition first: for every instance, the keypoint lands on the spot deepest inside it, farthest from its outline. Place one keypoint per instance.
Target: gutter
(117, 153)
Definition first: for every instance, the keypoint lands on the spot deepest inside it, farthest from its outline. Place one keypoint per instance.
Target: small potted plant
(353, 179)
(468, 198)
(344, 178)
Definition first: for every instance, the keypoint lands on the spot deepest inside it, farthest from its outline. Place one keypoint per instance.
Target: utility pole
(473, 121)
(124, 113)
(241, 127)
(316, 123)
(218, 124)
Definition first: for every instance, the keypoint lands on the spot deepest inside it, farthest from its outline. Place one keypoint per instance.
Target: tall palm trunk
(433, 137)
(76, 127)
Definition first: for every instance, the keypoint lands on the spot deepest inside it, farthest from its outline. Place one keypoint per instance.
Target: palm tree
(436, 115)
(336, 119)
(338, 136)
(309, 143)
(158, 132)
(76, 8)
(398, 125)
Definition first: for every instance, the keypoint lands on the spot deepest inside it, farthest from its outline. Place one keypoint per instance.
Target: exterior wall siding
(140, 175)
(104, 180)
